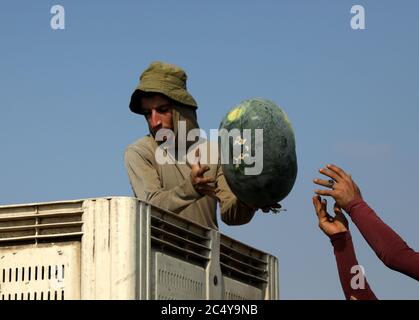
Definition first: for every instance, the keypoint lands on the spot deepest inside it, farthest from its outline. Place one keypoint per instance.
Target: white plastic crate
(122, 248)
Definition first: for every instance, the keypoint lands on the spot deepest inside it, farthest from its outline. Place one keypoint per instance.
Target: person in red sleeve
(387, 244)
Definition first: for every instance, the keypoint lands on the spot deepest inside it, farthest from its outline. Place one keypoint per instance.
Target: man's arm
(336, 228)
(387, 244)
(147, 186)
(233, 212)
(346, 260)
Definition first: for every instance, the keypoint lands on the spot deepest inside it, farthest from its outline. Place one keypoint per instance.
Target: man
(190, 190)
(387, 244)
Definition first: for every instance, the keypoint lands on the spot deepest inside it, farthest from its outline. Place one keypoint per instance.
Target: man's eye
(163, 109)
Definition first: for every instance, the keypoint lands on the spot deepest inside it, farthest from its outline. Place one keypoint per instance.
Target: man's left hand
(342, 188)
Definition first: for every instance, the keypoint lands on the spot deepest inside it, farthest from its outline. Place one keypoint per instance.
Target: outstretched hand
(342, 188)
(328, 224)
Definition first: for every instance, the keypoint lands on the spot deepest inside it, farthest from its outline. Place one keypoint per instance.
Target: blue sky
(351, 95)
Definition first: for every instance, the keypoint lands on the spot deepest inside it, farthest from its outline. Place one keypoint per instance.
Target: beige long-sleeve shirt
(169, 187)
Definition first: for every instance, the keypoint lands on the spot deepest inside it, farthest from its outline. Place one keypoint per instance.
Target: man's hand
(201, 183)
(343, 188)
(329, 225)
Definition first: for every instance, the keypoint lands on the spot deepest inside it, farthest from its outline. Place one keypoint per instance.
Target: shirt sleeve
(233, 212)
(147, 186)
(351, 275)
(387, 244)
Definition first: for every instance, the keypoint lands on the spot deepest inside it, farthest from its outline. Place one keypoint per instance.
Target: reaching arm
(387, 244)
(336, 228)
(346, 260)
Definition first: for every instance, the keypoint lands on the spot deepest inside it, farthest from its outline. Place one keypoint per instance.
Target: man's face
(158, 112)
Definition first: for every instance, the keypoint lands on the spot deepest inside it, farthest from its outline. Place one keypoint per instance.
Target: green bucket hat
(164, 78)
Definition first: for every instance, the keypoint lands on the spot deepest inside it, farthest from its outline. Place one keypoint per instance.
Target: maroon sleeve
(387, 244)
(346, 260)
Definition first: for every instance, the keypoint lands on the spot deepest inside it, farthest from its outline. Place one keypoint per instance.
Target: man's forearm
(387, 244)
(175, 199)
(346, 260)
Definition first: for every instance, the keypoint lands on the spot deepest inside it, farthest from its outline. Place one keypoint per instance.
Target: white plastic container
(122, 248)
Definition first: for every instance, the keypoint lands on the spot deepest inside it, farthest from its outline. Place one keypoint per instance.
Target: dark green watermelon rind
(276, 181)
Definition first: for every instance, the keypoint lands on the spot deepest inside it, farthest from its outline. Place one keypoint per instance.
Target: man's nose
(155, 118)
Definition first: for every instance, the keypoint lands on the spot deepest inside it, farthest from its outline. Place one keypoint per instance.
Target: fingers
(202, 170)
(320, 207)
(195, 166)
(334, 172)
(197, 174)
(197, 169)
(196, 163)
(316, 203)
(203, 181)
(198, 157)
(321, 182)
(330, 173)
(337, 170)
(337, 209)
(329, 193)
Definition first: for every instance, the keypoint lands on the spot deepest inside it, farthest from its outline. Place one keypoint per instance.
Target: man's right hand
(202, 184)
(329, 225)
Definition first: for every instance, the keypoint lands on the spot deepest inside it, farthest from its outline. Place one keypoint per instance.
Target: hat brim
(179, 97)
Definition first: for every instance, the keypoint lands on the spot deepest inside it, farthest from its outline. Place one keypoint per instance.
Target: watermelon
(275, 176)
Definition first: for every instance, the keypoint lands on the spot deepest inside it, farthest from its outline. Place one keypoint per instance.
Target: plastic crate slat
(42, 226)
(244, 274)
(183, 250)
(179, 228)
(225, 247)
(44, 236)
(229, 258)
(172, 235)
